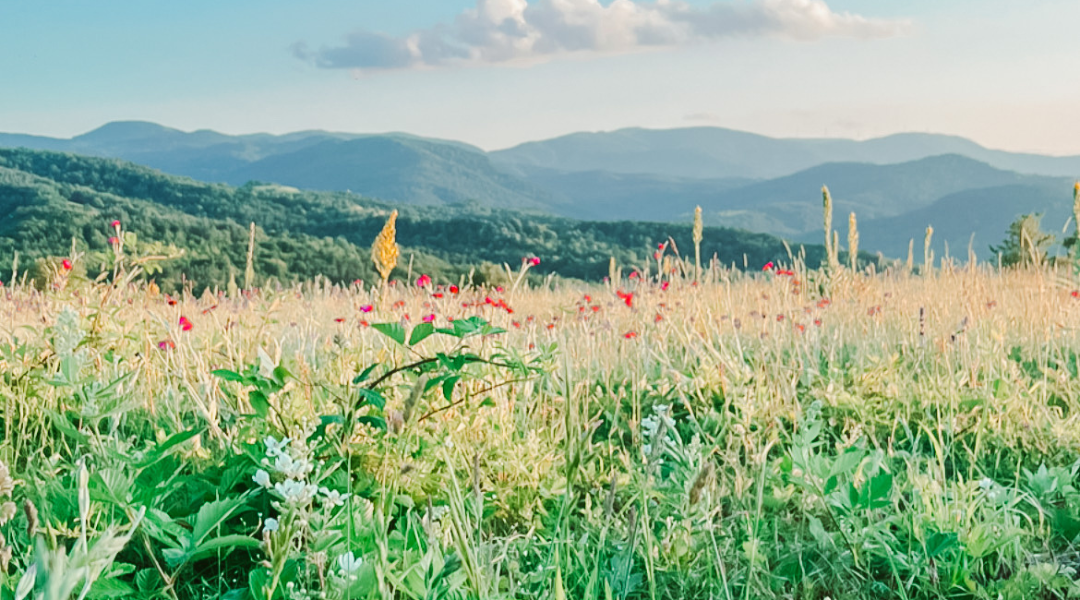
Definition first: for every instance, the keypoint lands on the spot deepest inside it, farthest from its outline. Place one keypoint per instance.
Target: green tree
(1025, 242)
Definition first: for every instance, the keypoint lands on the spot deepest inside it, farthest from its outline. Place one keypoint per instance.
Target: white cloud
(502, 31)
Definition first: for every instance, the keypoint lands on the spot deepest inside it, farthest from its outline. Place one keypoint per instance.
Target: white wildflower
(275, 448)
(270, 524)
(296, 492)
(333, 498)
(261, 478)
(349, 563)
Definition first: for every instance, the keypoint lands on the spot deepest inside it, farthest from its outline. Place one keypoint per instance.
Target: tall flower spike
(385, 252)
(699, 229)
(1076, 207)
(853, 242)
(830, 245)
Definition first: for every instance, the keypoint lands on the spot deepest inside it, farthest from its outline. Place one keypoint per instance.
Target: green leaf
(878, 490)
(376, 422)
(393, 331)
(448, 387)
(830, 485)
(227, 375)
(162, 449)
(372, 398)
(324, 422)
(213, 515)
(225, 542)
(259, 403)
(281, 374)
(362, 377)
(420, 333)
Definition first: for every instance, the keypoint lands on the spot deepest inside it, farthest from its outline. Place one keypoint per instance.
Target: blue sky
(1004, 73)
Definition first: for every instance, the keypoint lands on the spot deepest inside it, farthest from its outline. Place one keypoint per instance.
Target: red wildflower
(499, 289)
(551, 326)
(339, 320)
(786, 273)
(588, 298)
(367, 308)
(659, 317)
(166, 345)
(634, 275)
(516, 324)
(185, 324)
(454, 289)
(661, 246)
(437, 295)
(364, 323)
(115, 224)
(66, 264)
(779, 318)
(630, 335)
(170, 300)
(769, 266)
(114, 240)
(628, 298)
(596, 308)
(1076, 294)
(656, 255)
(664, 286)
(423, 281)
(532, 260)
(429, 318)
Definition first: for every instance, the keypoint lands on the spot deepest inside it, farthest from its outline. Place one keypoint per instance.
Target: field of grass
(754, 436)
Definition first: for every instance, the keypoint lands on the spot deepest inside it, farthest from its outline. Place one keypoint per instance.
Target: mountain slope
(398, 169)
(980, 217)
(713, 152)
(48, 198)
(790, 205)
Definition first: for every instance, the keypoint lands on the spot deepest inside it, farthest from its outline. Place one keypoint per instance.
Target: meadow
(783, 433)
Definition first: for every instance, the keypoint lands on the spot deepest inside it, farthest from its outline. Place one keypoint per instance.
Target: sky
(496, 73)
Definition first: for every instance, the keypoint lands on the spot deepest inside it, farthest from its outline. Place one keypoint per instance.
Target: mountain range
(897, 184)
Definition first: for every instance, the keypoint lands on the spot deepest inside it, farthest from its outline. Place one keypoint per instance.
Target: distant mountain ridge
(742, 180)
(714, 152)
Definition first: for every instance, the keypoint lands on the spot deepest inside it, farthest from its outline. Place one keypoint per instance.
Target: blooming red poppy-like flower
(364, 323)
(664, 286)
(66, 264)
(437, 295)
(630, 335)
(1076, 294)
(423, 281)
(367, 308)
(659, 317)
(166, 345)
(429, 318)
(634, 275)
(661, 246)
(115, 224)
(454, 289)
(185, 324)
(769, 266)
(628, 298)
(339, 320)
(656, 255)
(114, 240)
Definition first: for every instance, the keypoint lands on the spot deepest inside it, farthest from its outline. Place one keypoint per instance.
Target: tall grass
(716, 436)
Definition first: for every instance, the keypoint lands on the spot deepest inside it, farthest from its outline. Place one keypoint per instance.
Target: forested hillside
(49, 198)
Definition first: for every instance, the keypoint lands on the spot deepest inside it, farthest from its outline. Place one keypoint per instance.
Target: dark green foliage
(1025, 243)
(50, 198)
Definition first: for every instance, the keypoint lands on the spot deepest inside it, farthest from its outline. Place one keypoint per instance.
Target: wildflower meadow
(682, 429)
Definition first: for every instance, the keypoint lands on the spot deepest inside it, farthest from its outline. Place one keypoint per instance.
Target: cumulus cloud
(501, 31)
